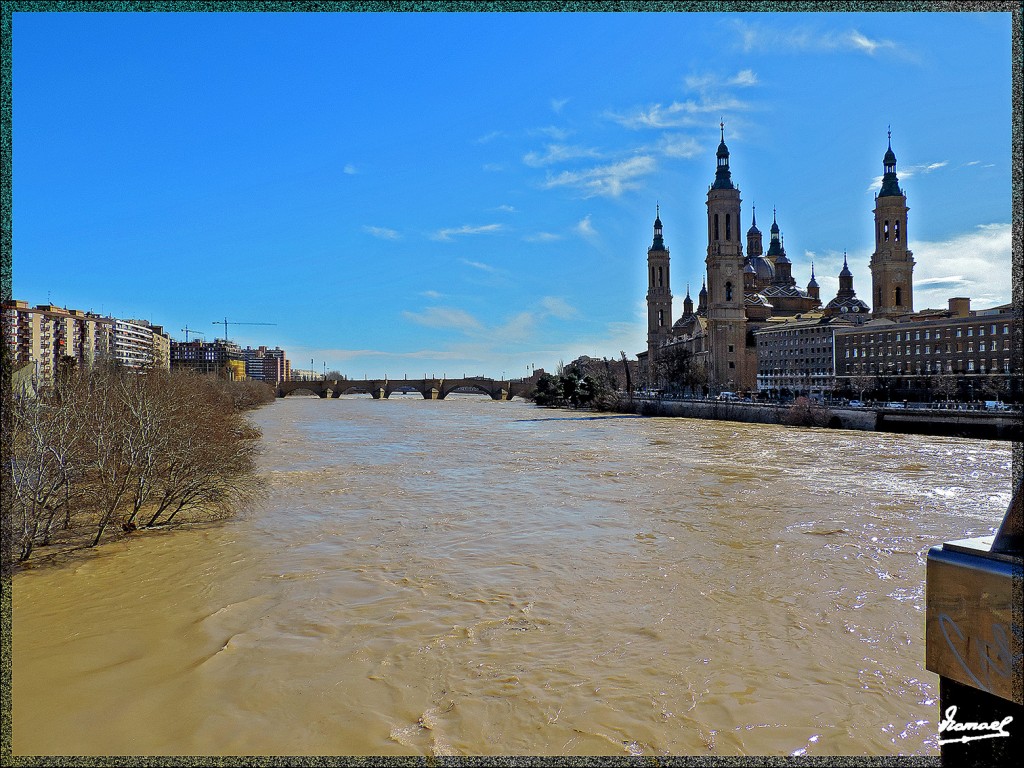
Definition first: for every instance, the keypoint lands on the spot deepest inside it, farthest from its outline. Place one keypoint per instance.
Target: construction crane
(235, 322)
(186, 330)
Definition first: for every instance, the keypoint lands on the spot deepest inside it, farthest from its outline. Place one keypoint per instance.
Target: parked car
(855, 404)
(995, 405)
(895, 405)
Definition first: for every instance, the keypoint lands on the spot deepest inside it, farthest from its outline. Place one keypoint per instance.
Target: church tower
(813, 289)
(754, 237)
(892, 264)
(727, 322)
(659, 295)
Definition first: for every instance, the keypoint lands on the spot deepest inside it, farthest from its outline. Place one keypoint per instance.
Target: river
(476, 577)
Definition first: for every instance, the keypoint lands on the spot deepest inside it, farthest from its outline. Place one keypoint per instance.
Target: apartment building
(968, 352)
(45, 337)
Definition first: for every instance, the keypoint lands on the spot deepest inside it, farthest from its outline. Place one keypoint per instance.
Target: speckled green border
(10, 7)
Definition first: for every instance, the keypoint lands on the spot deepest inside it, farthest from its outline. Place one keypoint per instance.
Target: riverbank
(972, 424)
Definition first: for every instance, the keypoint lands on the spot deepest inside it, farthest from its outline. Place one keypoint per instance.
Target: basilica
(745, 290)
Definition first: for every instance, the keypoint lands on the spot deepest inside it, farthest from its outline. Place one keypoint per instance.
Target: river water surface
(475, 577)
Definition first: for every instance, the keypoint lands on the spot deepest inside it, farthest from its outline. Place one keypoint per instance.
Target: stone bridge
(431, 389)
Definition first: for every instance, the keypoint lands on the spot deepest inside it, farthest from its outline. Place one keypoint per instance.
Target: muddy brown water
(475, 577)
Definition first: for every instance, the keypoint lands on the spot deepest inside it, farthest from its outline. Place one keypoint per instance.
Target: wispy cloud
(558, 307)
(907, 172)
(350, 170)
(489, 137)
(552, 132)
(557, 153)
(542, 237)
(557, 104)
(480, 265)
(678, 145)
(606, 180)
(431, 294)
(585, 228)
(466, 229)
(969, 264)
(771, 39)
(505, 208)
(677, 114)
(444, 317)
(708, 81)
(382, 233)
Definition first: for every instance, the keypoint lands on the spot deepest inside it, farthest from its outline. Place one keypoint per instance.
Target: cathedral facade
(746, 289)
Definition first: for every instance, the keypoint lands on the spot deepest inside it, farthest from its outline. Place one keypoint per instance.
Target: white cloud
(553, 132)
(678, 113)
(557, 153)
(585, 228)
(542, 237)
(466, 229)
(606, 180)
(506, 209)
(744, 78)
(350, 170)
(382, 232)
(677, 145)
(479, 265)
(489, 137)
(558, 307)
(431, 294)
(444, 317)
(975, 264)
(766, 39)
(904, 173)
(557, 104)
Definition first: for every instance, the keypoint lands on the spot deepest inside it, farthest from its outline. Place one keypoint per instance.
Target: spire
(753, 223)
(723, 178)
(775, 244)
(890, 183)
(659, 242)
(846, 268)
(687, 290)
(813, 283)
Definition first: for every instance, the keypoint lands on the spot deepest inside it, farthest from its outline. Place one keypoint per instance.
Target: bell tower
(726, 315)
(892, 264)
(659, 293)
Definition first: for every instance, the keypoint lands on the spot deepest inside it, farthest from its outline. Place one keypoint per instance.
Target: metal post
(973, 642)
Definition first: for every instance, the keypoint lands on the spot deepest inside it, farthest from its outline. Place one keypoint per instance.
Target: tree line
(584, 383)
(108, 451)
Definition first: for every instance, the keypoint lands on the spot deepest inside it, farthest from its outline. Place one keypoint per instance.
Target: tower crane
(186, 330)
(235, 322)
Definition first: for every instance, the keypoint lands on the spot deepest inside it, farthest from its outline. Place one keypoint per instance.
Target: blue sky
(474, 193)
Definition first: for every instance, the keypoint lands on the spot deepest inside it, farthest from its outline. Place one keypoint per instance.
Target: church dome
(763, 268)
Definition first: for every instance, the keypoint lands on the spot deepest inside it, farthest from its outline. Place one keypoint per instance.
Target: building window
(885, 231)
(970, 331)
(970, 365)
(730, 347)
(728, 291)
(981, 346)
(899, 297)
(661, 276)
(897, 230)
(732, 364)
(716, 226)
(661, 318)
(959, 332)
(728, 227)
